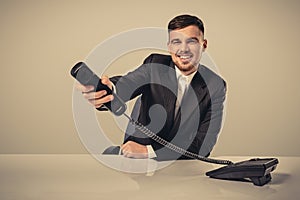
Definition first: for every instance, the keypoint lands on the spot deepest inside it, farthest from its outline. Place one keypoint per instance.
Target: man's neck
(187, 73)
(189, 76)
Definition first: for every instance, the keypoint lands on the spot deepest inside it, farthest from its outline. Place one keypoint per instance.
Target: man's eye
(192, 42)
(175, 42)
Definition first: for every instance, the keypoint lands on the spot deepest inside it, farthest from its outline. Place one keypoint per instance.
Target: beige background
(255, 44)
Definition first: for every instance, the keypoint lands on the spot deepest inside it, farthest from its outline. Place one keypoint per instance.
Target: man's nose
(184, 47)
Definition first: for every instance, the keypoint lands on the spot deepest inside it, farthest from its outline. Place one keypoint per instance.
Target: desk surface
(83, 177)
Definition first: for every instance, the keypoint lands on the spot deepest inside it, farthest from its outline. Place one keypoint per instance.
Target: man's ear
(204, 44)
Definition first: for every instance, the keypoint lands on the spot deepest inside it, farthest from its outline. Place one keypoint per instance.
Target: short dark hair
(183, 21)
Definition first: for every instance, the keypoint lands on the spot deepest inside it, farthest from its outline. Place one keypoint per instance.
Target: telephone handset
(257, 170)
(85, 76)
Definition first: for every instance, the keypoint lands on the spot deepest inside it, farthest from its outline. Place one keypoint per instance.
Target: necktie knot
(182, 83)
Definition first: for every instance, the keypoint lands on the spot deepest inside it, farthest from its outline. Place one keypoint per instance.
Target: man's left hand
(134, 150)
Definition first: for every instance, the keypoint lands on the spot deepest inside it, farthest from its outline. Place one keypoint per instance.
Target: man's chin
(185, 66)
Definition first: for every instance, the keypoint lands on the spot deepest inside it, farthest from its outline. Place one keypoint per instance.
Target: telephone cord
(173, 147)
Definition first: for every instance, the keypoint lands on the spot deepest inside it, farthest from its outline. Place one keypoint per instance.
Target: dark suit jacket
(198, 123)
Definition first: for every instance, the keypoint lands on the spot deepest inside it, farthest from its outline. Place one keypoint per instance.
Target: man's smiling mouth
(184, 57)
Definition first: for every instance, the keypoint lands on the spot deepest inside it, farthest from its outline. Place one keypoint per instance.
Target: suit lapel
(168, 79)
(197, 87)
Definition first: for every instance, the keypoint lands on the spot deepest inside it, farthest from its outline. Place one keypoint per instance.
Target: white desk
(83, 177)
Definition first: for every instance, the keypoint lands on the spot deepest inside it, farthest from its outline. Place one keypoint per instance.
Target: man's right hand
(98, 98)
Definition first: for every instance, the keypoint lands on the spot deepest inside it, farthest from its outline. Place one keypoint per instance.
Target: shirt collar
(188, 77)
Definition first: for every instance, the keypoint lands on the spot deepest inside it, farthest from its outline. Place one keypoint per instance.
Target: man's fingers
(105, 80)
(95, 95)
(124, 145)
(134, 150)
(98, 98)
(100, 101)
(125, 148)
(84, 89)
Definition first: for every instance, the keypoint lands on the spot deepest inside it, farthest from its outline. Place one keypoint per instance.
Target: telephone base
(257, 170)
(262, 180)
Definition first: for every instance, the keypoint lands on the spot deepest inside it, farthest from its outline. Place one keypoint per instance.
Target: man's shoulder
(211, 77)
(208, 71)
(158, 59)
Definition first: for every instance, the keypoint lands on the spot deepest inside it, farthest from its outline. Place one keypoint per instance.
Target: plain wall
(255, 45)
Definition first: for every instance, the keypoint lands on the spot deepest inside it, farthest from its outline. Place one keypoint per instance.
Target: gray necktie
(182, 86)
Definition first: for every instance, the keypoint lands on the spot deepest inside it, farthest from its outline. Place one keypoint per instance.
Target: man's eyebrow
(193, 38)
(178, 40)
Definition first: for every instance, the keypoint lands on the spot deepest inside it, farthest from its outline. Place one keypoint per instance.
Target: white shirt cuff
(151, 152)
(114, 88)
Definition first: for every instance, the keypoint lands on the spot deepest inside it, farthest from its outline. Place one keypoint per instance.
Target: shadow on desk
(280, 178)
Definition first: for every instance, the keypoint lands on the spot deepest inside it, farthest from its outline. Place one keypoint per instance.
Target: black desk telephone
(257, 170)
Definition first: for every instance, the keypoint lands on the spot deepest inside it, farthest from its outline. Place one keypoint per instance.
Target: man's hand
(97, 99)
(134, 150)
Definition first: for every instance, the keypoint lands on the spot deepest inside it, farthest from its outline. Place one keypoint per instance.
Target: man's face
(186, 46)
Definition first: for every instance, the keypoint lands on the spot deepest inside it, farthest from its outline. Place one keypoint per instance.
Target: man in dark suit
(180, 100)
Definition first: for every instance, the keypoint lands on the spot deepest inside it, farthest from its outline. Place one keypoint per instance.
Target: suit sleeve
(133, 83)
